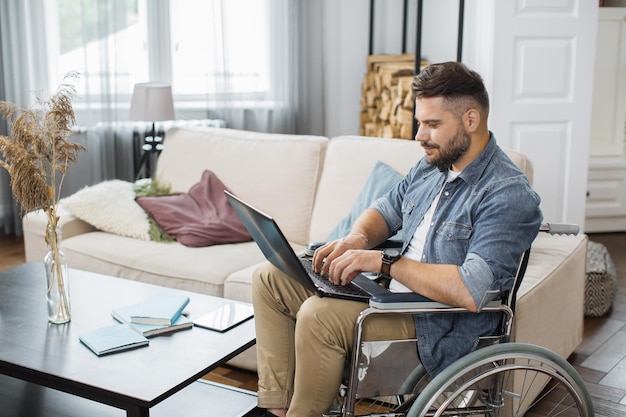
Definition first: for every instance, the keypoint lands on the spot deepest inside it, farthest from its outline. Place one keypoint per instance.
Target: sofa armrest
(34, 225)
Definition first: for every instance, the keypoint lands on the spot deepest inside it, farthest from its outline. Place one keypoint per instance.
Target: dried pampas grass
(38, 153)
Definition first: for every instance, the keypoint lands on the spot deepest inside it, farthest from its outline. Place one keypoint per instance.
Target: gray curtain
(104, 128)
(19, 42)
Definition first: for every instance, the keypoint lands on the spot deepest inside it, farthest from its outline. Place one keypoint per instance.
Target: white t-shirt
(416, 247)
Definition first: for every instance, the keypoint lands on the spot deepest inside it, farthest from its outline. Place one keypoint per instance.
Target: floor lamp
(151, 102)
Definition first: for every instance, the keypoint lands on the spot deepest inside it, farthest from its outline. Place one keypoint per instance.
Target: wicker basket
(601, 283)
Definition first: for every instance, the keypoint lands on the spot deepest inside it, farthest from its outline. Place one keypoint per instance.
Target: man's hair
(460, 87)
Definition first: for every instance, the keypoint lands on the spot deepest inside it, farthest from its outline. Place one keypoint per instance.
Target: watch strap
(387, 260)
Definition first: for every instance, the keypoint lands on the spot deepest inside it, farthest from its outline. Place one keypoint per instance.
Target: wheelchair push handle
(560, 228)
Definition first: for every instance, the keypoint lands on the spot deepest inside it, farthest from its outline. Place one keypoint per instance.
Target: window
(207, 49)
(226, 54)
(103, 41)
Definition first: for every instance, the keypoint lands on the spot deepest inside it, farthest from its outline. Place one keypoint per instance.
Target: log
(387, 96)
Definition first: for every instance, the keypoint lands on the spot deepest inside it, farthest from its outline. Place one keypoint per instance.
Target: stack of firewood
(387, 97)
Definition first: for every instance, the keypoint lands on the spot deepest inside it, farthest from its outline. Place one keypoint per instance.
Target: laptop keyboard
(328, 286)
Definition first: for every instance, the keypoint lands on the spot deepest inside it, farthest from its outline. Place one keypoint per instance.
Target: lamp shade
(152, 101)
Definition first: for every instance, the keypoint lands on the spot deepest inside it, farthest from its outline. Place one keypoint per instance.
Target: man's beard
(451, 152)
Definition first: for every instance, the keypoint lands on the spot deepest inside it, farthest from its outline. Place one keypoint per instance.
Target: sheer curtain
(235, 60)
(22, 43)
(30, 68)
(214, 62)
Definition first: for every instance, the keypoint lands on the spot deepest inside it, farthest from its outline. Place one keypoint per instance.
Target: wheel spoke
(518, 378)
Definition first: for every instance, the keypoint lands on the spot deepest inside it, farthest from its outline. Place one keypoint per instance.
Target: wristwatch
(389, 256)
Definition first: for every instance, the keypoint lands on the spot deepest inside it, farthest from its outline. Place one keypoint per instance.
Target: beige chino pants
(303, 341)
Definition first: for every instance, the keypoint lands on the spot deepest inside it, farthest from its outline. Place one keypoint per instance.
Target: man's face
(441, 134)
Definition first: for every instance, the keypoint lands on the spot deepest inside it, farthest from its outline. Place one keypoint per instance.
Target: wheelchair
(499, 378)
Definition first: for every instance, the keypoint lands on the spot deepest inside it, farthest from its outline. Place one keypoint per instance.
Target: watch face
(389, 256)
(392, 253)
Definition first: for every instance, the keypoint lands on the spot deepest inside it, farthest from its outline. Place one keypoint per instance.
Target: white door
(609, 89)
(537, 57)
(606, 202)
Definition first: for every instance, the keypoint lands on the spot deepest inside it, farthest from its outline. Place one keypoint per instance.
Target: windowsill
(190, 105)
(188, 110)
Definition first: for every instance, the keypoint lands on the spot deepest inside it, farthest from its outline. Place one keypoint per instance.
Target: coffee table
(46, 370)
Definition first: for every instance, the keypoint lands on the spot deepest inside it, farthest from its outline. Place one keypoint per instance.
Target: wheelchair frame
(481, 382)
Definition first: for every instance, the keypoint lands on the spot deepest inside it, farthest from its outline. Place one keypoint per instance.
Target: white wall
(345, 33)
(561, 171)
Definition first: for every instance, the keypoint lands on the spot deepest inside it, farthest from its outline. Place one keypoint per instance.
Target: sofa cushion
(276, 173)
(173, 265)
(522, 162)
(343, 179)
(382, 179)
(201, 217)
(110, 206)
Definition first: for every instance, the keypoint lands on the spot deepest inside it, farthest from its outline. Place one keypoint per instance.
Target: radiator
(114, 150)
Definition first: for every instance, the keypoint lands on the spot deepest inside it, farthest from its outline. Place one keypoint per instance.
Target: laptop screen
(270, 240)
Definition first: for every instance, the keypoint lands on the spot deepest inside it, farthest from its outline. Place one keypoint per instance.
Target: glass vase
(57, 279)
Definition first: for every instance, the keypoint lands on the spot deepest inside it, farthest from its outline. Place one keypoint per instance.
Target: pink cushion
(201, 217)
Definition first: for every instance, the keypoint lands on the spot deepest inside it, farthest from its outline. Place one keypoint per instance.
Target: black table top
(51, 355)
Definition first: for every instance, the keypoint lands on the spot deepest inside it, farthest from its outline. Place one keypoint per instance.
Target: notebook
(110, 339)
(277, 250)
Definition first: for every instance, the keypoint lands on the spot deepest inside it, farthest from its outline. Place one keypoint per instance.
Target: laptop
(277, 251)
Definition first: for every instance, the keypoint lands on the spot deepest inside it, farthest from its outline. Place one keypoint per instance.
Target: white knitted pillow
(110, 206)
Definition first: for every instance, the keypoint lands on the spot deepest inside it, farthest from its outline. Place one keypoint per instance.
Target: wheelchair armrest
(413, 301)
(403, 300)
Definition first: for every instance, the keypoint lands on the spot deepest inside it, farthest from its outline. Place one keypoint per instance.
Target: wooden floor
(600, 358)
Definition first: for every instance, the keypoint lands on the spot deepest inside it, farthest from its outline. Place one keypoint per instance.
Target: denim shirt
(485, 219)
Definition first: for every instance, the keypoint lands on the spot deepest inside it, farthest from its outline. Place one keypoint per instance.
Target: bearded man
(467, 215)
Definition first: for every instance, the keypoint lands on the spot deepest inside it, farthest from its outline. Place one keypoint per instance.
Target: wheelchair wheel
(510, 379)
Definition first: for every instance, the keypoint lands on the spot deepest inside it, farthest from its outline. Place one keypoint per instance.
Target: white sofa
(308, 184)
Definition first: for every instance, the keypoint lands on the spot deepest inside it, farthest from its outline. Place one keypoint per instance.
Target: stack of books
(157, 315)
